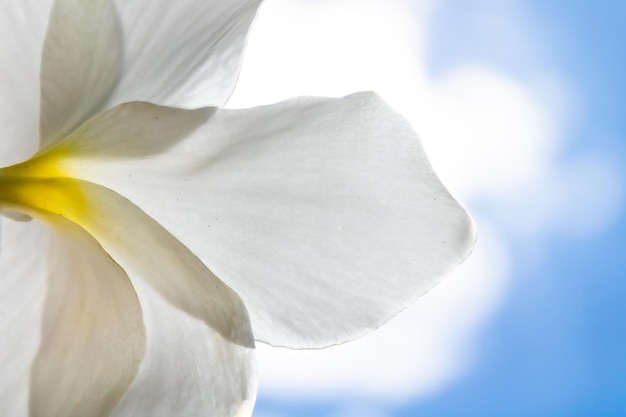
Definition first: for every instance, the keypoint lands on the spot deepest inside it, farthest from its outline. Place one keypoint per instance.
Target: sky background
(521, 107)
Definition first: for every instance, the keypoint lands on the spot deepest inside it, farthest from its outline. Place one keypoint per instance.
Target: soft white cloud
(486, 132)
(333, 48)
(491, 138)
(578, 196)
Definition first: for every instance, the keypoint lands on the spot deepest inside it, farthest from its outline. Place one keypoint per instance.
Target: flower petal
(148, 253)
(188, 369)
(226, 383)
(323, 214)
(184, 53)
(80, 64)
(22, 293)
(22, 28)
(93, 337)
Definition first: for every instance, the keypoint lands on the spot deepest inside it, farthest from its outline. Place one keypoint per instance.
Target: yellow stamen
(39, 188)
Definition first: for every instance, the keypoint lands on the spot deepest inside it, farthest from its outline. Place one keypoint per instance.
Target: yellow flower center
(39, 188)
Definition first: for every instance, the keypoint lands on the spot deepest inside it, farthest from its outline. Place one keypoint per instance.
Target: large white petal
(22, 290)
(226, 386)
(22, 28)
(323, 214)
(188, 371)
(80, 64)
(184, 53)
(223, 382)
(93, 336)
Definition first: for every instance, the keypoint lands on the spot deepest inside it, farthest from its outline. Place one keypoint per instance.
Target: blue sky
(558, 345)
(552, 341)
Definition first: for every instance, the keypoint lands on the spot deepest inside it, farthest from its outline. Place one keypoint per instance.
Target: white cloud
(490, 137)
(578, 196)
(494, 138)
(486, 132)
(332, 48)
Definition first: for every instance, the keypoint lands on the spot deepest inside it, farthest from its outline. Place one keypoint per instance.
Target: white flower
(303, 224)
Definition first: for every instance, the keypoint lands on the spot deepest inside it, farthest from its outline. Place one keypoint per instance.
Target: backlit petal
(212, 318)
(22, 28)
(150, 255)
(101, 53)
(22, 293)
(80, 64)
(183, 53)
(188, 370)
(323, 214)
(93, 337)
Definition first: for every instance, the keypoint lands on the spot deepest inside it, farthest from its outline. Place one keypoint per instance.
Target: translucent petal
(187, 371)
(323, 214)
(80, 64)
(184, 53)
(226, 383)
(22, 293)
(150, 255)
(22, 28)
(93, 337)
